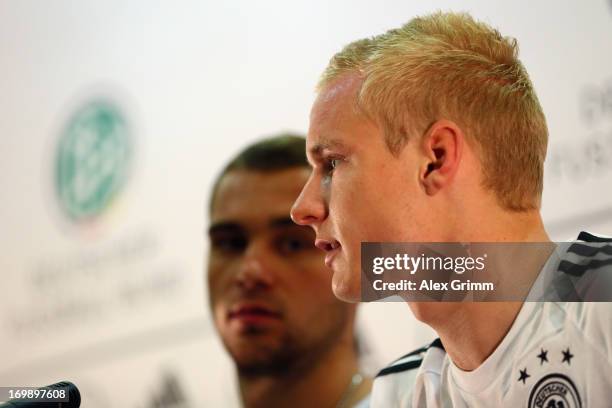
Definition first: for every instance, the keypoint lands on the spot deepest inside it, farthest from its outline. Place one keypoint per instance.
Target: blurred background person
(291, 340)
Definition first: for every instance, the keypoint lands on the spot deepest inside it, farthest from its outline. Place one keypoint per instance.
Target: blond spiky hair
(450, 66)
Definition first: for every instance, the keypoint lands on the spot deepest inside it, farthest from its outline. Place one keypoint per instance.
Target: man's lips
(253, 313)
(331, 248)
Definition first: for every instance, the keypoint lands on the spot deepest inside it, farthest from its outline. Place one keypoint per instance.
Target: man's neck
(474, 330)
(322, 384)
(493, 224)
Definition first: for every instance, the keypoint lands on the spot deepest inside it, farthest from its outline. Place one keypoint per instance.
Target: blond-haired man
(433, 133)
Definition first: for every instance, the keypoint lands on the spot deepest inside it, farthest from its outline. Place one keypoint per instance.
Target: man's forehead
(253, 194)
(335, 109)
(337, 98)
(347, 85)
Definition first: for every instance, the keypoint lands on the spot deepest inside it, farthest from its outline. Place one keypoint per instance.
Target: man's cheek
(216, 285)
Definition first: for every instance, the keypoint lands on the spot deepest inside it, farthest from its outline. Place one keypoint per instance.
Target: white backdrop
(117, 304)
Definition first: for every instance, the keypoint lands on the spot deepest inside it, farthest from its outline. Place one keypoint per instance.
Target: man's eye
(290, 245)
(229, 244)
(331, 164)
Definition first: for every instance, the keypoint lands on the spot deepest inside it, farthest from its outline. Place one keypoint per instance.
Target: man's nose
(255, 271)
(310, 207)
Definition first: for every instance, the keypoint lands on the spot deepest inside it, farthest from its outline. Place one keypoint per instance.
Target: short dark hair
(274, 153)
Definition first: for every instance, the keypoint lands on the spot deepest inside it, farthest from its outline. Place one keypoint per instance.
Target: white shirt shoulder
(555, 353)
(395, 385)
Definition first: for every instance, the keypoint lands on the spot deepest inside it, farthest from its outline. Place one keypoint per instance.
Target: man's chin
(261, 365)
(257, 360)
(345, 288)
(253, 352)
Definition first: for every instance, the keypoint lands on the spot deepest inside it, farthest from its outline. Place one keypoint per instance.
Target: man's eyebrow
(229, 226)
(282, 222)
(224, 226)
(316, 150)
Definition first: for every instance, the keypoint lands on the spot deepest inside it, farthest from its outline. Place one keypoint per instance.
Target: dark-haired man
(292, 341)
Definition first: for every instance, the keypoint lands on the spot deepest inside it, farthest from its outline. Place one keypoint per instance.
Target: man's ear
(442, 146)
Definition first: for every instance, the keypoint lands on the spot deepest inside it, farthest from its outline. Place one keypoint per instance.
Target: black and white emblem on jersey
(554, 391)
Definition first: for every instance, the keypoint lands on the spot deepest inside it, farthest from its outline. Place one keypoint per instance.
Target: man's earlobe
(442, 145)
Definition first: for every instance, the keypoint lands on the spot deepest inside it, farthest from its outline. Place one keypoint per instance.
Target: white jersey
(555, 355)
